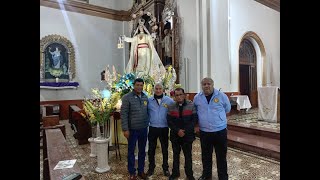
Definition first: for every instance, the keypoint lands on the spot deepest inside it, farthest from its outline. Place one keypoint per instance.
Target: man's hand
(126, 134)
(181, 133)
(196, 129)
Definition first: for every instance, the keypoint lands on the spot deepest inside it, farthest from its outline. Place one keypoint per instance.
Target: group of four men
(206, 115)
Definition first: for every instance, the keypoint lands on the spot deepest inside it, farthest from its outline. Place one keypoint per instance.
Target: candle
(57, 80)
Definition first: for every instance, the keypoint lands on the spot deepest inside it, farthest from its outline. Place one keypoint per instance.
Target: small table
(242, 101)
(116, 118)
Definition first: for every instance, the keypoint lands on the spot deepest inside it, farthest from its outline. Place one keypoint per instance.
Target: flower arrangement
(125, 84)
(103, 103)
(98, 110)
(148, 85)
(169, 80)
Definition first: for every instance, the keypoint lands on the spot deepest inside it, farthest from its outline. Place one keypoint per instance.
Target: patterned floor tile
(251, 118)
(241, 165)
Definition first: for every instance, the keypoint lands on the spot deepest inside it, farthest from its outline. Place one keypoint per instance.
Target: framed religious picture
(56, 59)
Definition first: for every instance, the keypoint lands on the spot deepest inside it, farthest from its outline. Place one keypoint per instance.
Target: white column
(220, 64)
(102, 155)
(204, 39)
(93, 147)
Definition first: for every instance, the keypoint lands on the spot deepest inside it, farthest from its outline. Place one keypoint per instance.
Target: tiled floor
(241, 165)
(250, 118)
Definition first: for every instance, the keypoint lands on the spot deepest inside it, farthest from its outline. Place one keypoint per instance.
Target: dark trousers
(186, 147)
(139, 135)
(154, 134)
(218, 141)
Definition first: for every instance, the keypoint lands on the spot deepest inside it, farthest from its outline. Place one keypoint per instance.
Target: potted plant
(98, 109)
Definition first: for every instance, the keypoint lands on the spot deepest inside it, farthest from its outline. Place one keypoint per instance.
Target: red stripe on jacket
(184, 113)
(187, 113)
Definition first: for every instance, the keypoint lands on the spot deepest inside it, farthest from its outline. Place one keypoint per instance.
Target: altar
(242, 101)
(268, 103)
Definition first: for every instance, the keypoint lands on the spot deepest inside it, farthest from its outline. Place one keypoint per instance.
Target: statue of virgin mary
(144, 59)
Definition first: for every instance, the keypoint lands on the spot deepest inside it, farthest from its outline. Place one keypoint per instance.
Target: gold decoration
(45, 42)
(216, 100)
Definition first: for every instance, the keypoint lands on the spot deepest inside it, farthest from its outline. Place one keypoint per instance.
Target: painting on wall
(56, 59)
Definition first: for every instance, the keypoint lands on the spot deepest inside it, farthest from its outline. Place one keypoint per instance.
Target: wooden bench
(51, 120)
(56, 149)
(80, 125)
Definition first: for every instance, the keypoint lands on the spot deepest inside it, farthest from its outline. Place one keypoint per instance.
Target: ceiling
(273, 4)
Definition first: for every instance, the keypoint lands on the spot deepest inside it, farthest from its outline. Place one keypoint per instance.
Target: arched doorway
(252, 66)
(248, 71)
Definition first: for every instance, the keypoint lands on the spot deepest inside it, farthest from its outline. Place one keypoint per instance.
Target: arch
(255, 39)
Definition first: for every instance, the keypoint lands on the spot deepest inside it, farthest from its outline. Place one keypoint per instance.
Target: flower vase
(93, 146)
(98, 132)
(102, 154)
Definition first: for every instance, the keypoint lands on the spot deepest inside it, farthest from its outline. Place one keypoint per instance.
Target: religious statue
(167, 45)
(144, 59)
(56, 58)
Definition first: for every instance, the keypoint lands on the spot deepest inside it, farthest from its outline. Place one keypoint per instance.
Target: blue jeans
(139, 135)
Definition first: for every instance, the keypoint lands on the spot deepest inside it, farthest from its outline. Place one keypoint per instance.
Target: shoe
(150, 172)
(132, 177)
(173, 177)
(205, 177)
(166, 173)
(142, 175)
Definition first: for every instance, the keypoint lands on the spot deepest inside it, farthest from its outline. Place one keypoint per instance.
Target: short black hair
(138, 80)
(179, 89)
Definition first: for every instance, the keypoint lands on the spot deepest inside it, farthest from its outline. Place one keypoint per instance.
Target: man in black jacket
(182, 118)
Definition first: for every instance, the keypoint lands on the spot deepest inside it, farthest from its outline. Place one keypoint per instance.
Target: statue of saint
(167, 45)
(56, 58)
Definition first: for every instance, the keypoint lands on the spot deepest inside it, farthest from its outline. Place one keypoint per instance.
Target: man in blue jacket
(212, 107)
(135, 122)
(158, 128)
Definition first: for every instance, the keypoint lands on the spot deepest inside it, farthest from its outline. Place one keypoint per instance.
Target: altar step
(257, 140)
(254, 130)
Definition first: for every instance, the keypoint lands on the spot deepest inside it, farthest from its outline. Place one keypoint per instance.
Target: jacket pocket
(223, 116)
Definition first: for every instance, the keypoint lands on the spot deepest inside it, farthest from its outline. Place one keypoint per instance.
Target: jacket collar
(215, 92)
(183, 104)
(134, 94)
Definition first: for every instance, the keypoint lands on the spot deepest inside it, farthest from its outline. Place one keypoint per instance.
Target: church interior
(92, 50)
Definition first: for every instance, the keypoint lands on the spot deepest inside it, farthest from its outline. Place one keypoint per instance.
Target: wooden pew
(80, 125)
(56, 149)
(51, 120)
